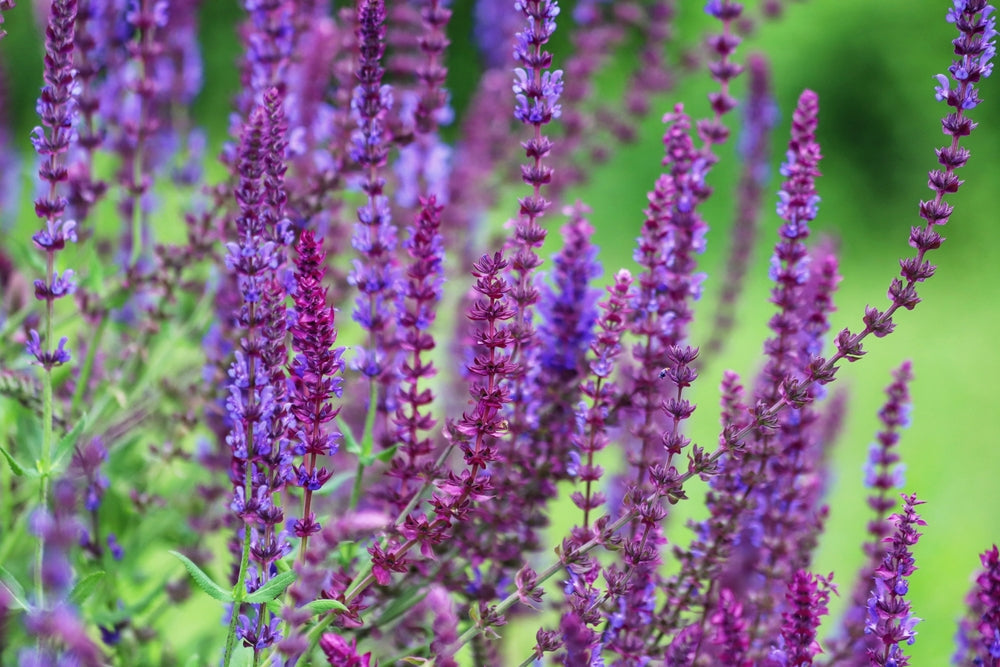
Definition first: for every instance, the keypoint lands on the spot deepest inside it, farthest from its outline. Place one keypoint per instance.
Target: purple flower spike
(807, 597)
(975, 47)
(978, 637)
(375, 272)
(424, 287)
(989, 597)
(537, 92)
(883, 473)
(890, 620)
(57, 107)
(262, 462)
(315, 377)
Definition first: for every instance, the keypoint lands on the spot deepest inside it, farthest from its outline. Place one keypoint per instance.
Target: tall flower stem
(57, 107)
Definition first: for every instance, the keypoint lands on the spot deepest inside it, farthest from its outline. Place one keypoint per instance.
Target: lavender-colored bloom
(269, 35)
(602, 392)
(537, 92)
(672, 235)
(375, 272)
(261, 460)
(890, 620)
(57, 108)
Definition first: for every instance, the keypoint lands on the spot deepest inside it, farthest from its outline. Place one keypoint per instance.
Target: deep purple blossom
(314, 373)
(807, 598)
(979, 633)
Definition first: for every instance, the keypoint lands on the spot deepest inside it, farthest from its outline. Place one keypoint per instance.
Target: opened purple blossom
(890, 619)
(976, 48)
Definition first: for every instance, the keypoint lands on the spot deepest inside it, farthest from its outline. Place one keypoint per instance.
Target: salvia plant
(296, 400)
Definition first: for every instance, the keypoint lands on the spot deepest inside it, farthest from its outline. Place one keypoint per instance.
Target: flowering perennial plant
(492, 441)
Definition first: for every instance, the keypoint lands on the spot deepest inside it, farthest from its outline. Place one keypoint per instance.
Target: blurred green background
(872, 65)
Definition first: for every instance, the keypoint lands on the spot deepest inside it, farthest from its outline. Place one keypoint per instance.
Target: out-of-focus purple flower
(730, 631)
(890, 620)
(5, 6)
(494, 28)
(444, 626)
(760, 115)
(56, 625)
(339, 653)
(981, 632)
(269, 35)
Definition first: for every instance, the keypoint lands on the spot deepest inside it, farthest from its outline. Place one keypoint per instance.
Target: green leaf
(85, 587)
(383, 456)
(272, 589)
(351, 443)
(317, 607)
(204, 581)
(66, 443)
(335, 483)
(9, 582)
(15, 467)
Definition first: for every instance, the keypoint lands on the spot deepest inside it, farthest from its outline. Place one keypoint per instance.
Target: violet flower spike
(976, 46)
(256, 403)
(883, 472)
(58, 109)
(890, 620)
(374, 273)
(537, 93)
